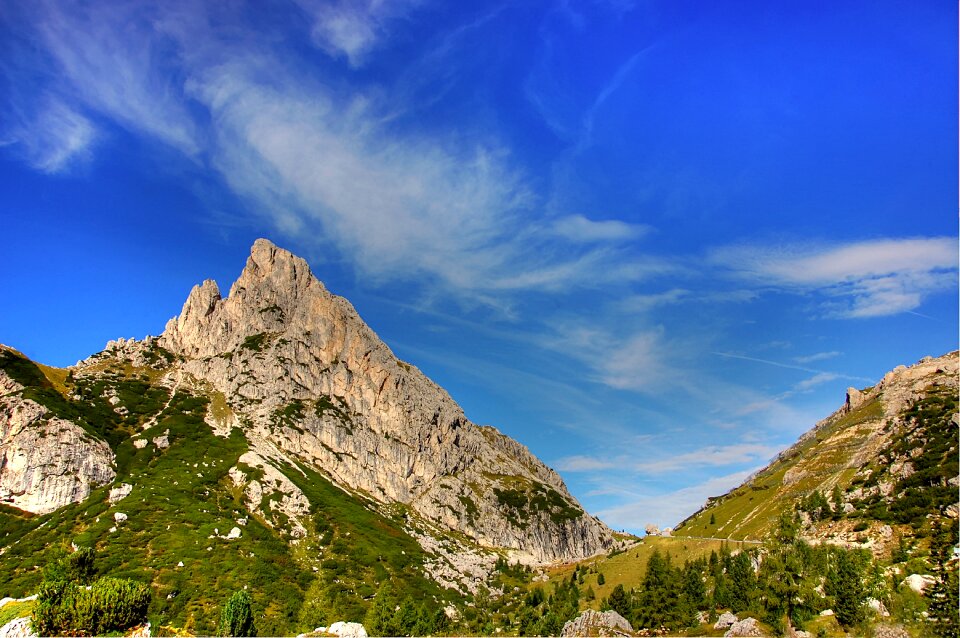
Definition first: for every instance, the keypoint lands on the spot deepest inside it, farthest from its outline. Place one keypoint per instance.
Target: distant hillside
(882, 467)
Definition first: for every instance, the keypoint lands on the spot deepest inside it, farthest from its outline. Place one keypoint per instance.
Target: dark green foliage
(236, 618)
(601, 580)
(816, 505)
(534, 499)
(66, 607)
(661, 602)
(944, 606)
(694, 584)
(743, 582)
(256, 342)
(619, 601)
(22, 370)
(930, 441)
(845, 584)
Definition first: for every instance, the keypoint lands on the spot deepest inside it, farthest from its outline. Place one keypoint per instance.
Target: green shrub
(110, 605)
(236, 619)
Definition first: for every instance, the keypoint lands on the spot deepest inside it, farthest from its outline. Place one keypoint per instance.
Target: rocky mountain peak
(300, 371)
(272, 268)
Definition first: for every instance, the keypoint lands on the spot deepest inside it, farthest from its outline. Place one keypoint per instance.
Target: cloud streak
(860, 279)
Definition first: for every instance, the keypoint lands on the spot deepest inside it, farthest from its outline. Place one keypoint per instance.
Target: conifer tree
(848, 590)
(944, 605)
(620, 602)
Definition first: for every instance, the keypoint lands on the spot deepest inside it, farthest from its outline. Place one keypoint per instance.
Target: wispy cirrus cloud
(52, 138)
(579, 229)
(669, 508)
(860, 279)
(707, 456)
(353, 29)
(452, 210)
(818, 356)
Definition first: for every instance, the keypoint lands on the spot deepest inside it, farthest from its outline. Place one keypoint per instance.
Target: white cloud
(709, 456)
(578, 228)
(583, 463)
(870, 278)
(818, 356)
(109, 54)
(55, 139)
(353, 28)
(638, 360)
(815, 380)
(668, 509)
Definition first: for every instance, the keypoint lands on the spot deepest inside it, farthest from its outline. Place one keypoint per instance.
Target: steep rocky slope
(299, 369)
(879, 469)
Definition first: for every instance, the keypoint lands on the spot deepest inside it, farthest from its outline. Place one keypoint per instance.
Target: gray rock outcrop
(748, 627)
(46, 462)
(595, 623)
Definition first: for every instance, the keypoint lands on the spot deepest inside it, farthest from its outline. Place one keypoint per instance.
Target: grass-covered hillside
(171, 531)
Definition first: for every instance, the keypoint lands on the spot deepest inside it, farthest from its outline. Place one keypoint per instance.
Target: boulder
(119, 517)
(918, 582)
(878, 607)
(595, 623)
(347, 630)
(17, 628)
(119, 492)
(725, 620)
(744, 628)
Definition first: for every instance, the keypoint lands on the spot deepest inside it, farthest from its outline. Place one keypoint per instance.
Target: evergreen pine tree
(944, 605)
(742, 582)
(848, 591)
(620, 602)
(379, 618)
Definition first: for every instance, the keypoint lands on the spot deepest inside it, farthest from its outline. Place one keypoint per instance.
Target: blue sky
(653, 241)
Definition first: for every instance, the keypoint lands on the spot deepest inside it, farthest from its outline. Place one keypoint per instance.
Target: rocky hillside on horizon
(876, 474)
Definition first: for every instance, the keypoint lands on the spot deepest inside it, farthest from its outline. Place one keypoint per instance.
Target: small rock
(826, 612)
(180, 564)
(595, 623)
(890, 631)
(234, 533)
(140, 443)
(119, 517)
(878, 607)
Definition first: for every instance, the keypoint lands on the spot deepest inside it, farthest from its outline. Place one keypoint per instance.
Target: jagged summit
(280, 343)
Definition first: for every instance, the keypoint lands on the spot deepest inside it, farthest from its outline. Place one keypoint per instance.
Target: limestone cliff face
(301, 370)
(46, 462)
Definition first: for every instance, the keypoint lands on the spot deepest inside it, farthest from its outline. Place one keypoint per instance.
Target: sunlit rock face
(300, 370)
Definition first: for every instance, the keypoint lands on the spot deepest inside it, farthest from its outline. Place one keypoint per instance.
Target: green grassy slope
(183, 502)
